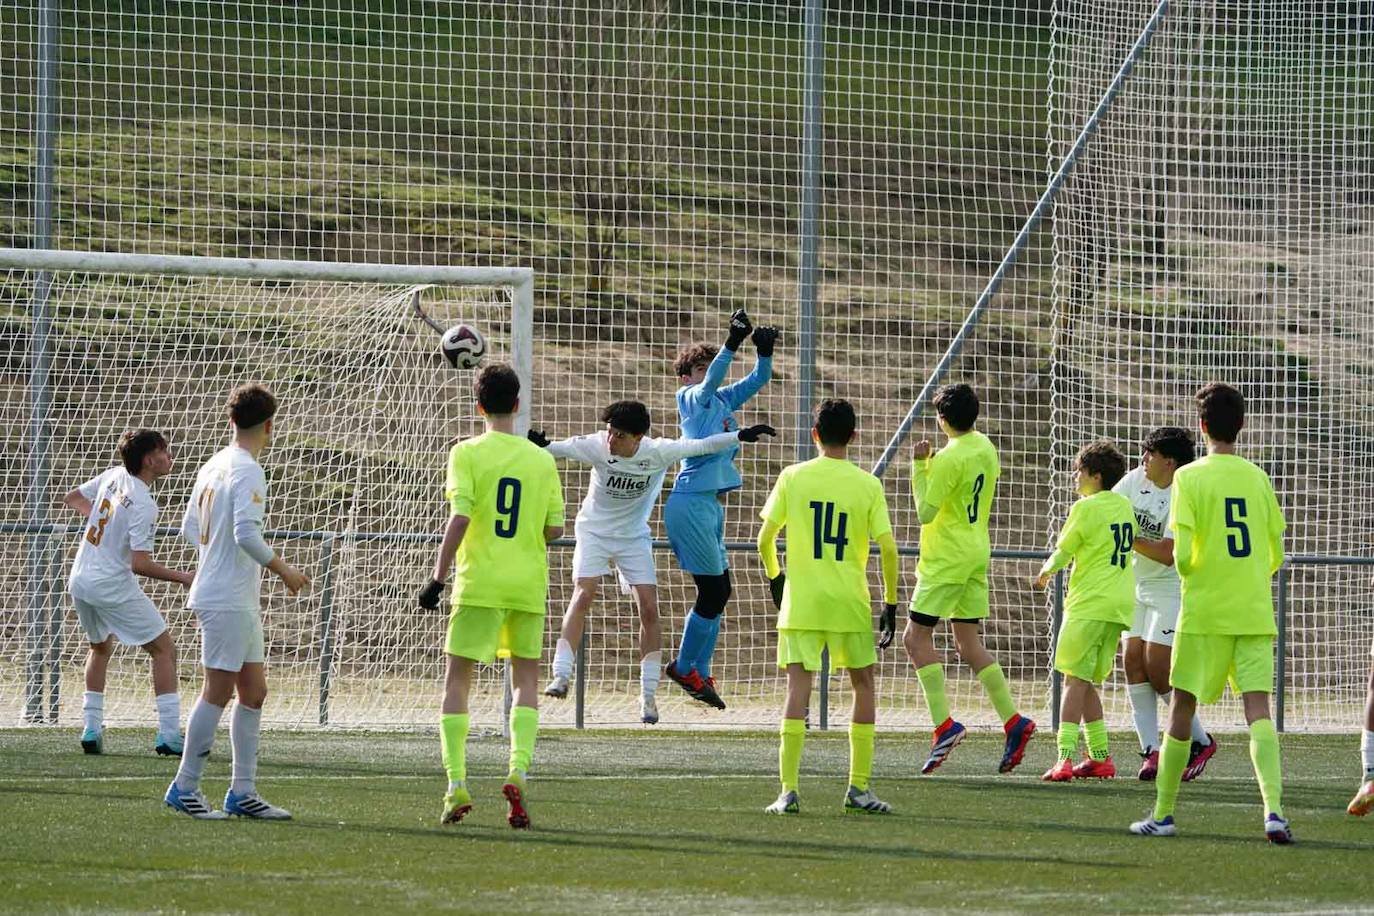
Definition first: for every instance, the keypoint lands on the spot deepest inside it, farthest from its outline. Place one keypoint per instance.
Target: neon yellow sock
(995, 684)
(1096, 733)
(524, 727)
(1068, 739)
(1173, 759)
(453, 740)
(860, 754)
(932, 678)
(1264, 754)
(793, 734)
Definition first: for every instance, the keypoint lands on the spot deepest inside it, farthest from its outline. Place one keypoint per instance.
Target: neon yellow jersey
(509, 489)
(1228, 543)
(954, 490)
(830, 509)
(1097, 539)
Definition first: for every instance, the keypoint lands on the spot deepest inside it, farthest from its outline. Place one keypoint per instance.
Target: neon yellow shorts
(847, 650)
(955, 600)
(487, 633)
(1086, 649)
(1203, 663)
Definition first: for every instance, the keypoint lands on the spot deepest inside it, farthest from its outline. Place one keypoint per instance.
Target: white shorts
(1156, 616)
(230, 639)
(633, 557)
(132, 621)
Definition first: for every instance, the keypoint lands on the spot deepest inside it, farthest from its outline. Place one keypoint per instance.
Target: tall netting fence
(647, 160)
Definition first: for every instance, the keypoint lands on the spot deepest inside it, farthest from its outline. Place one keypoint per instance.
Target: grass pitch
(654, 821)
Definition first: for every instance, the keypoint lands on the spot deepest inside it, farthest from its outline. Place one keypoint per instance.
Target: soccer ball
(463, 346)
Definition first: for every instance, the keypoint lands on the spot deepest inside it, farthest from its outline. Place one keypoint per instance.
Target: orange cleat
(1094, 769)
(1060, 772)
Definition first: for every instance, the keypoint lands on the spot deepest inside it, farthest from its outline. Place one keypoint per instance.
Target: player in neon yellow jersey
(1100, 606)
(1228, 543)
(954, 488)
(505, 503)
(830, 509)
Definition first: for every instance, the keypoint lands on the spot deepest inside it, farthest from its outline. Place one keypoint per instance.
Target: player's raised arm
(740, 392)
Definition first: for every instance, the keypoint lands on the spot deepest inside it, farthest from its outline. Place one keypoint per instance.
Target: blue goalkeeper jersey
(707, 409)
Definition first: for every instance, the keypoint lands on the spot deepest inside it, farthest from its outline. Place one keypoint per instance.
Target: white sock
(168, 714)
(244, 729)
(563, 659)
(1145, 710)
(93, 710)
(1199, 733)
(1367, 753)
(200, 734)
(650, 667)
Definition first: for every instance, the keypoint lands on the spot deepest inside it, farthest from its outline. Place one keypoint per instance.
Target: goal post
(369, 407)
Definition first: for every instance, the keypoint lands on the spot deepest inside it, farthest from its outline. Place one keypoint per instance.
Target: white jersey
(123, 519)
(624, 490)
(223, 521)
(1151, 505)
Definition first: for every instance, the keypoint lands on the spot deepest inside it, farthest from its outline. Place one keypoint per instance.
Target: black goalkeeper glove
(429, 595)
(538, 438)
(752, 433)
(764, 338)
(740, 326)
(775, 586)
(887, 626)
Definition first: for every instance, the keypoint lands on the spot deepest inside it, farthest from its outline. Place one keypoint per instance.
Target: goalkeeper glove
(752, 433)
(887, 625)
(538, 438)
(429, 595)
(740, 326)
(775, 586)
(764, 338)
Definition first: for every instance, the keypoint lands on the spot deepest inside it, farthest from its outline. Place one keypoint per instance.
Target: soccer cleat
(1363, 802)
(1091, 768)
(697, 689)
(251, 804)
(648, 709)
(788, 803)
(865, 802)
(1276, 830)
(1018, 736)
(192, 802)
(457, 804)
(1060, 772)
(1152, 827)
(558, 687)
(514, 790)
(169, 745)
(93, 740)
(1149, 766)
(1198, 755)
(946, 738)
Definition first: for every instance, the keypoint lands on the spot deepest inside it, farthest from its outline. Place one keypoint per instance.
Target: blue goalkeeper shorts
(696, 531)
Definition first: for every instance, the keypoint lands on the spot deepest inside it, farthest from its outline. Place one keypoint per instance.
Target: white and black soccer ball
(463, 346)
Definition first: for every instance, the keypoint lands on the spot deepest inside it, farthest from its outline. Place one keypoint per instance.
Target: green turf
(631, 822)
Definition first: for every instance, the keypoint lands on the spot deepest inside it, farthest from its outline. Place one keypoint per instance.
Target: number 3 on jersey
(507, 507)
(977, 494)
(827, 527)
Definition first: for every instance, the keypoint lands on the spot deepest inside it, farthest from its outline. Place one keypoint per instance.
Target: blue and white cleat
(192, 802)
(169, 745)
(1152, 827)
(93, 740)
(788, 803)
(946, 739)
(865, 802)
(1276, 830)
(251, 804)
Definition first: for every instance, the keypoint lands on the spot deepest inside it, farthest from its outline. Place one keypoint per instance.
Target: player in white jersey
(223, 521)
(613, 528)
(116, 544)
(1149, 642)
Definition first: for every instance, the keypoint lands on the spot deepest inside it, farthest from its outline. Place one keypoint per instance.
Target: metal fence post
(1281, 662)
(326, 625)
(581, 699)
(1056, 621)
